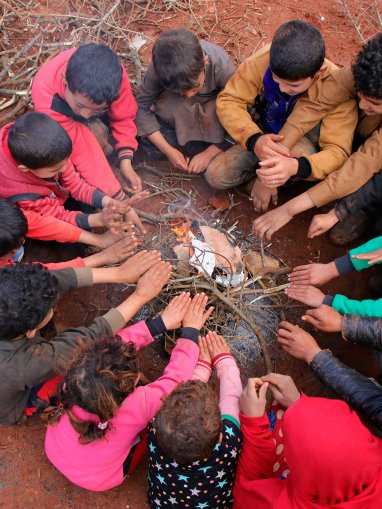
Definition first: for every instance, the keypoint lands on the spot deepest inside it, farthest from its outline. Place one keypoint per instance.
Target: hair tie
(102, 425)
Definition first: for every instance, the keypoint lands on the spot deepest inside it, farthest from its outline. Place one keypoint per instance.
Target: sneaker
(347, 231)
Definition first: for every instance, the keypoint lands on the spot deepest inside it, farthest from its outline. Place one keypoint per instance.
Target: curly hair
(13, 227)
(188, 424)
(27, 294)
(98, 380)
(367, 69)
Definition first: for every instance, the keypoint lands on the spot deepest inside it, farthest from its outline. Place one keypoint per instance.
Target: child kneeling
(195, 440)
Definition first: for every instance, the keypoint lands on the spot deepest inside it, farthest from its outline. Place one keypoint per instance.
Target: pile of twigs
(259, 302)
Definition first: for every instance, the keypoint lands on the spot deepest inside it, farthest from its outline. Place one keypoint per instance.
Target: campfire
(212, 256)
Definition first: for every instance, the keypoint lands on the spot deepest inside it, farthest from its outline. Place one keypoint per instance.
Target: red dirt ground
(27, 478)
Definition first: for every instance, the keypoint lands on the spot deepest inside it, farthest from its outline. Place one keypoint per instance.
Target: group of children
(286, 114)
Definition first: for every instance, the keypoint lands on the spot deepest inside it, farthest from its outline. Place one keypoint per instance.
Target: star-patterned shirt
(205, 484)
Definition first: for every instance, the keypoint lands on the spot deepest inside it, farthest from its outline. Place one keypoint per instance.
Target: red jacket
(88, 157)
(334, 460)
(42, 195)
(49, 228)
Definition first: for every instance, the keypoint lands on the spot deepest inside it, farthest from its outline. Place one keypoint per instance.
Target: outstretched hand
(271, 222)
(216, 344)
(135, 266)
(174, 312)
(321, 223)
(297, 342)
(315, 274)
(196, 316)
(307, 294)
(372, 257)
(324, 318)
(152, 282)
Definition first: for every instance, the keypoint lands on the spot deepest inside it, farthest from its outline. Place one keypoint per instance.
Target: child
(359, 391)
(36, 172)
(14, 229)
(27, 296)
(103, 411)
(334, 460)
(362, 80)
(176, 101)
(195, 440)
(79, 88)
(304, 277)
(270, 84)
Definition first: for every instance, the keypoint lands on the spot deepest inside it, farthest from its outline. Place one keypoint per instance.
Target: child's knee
(230, 168)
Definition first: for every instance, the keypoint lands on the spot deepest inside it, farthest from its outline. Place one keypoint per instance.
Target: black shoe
(345, 232)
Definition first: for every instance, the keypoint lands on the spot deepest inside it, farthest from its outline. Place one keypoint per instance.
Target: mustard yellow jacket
(337, 125)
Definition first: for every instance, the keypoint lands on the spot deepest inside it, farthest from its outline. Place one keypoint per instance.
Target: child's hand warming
(373, 256)
(134, 267)
(196, 316)
(297, 342)
(271, 222)
(307, 294)
(173, 314)
(253, 400)
(216, 345)
(324, 318)
(120, 250)
(321, 223)
(314, 274)
(283, 388)
(151, 283)
(204, 353)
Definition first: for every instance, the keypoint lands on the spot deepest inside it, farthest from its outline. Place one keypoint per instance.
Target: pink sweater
(98, 466)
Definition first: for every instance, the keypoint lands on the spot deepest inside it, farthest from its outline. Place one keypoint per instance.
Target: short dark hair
(188, 424)
(178, 59)
(13, 227)
(297, 51)
(27, 294)
(36, 140)
(367, 69)
(95, 71)
(98, 380)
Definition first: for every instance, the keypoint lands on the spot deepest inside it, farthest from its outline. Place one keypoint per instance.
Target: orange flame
(182, 232)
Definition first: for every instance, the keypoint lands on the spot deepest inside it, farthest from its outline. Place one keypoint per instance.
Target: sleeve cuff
(125, 153)
(115, 319)
(82, 221)
(350, 327)
(97, 198)
(156, 326)
(218, 359)
(120, 195)
(252, 140)
(328, 300)
(304, 168)
(344, 264)
(190, 333)
(84, 276)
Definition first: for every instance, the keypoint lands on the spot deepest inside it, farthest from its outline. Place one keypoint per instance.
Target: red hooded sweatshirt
(334, 460)
(48, 93)
(46, 196)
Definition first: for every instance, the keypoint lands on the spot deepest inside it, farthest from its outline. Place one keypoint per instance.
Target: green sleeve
(369, 246)
(357, 307)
